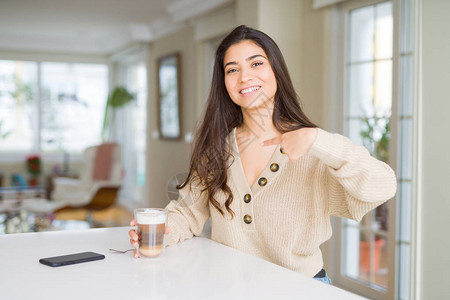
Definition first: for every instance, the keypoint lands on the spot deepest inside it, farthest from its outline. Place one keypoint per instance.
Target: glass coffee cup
(151, 226)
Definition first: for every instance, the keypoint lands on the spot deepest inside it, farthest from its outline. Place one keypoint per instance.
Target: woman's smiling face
(249, 78)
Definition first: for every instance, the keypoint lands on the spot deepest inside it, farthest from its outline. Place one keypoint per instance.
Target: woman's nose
(246, 75)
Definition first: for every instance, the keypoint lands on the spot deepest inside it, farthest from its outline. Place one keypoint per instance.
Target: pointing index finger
(274, 141)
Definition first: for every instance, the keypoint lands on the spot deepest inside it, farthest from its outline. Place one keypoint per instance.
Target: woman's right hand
(134, 237)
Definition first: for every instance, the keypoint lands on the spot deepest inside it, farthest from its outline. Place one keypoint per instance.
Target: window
(136, 82)
(130, 132)
(378, 68)
(73, 98)
(51, 106)
(368, 109)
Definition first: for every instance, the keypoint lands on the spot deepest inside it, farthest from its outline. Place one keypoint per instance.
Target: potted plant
(376, 137)
(33, 164)
(117, 98)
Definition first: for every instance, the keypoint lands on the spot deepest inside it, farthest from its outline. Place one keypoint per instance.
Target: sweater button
(274, 167)
(247, 219)
(281, 150)
(247, 198)
(262, 181)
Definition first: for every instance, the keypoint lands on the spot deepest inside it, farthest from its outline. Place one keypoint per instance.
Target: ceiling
(92, 26)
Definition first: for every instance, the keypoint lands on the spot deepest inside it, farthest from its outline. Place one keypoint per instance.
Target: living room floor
(114, 216)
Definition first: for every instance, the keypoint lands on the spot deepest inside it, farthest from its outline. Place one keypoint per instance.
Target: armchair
(99, 183)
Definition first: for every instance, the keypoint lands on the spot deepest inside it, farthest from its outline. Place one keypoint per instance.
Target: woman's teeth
(251, 89)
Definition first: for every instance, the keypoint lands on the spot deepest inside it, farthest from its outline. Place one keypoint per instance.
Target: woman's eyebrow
(255, 56)
(247, 59)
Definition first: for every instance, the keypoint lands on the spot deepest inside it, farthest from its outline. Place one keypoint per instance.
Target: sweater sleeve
(357, 182)
(188, 215)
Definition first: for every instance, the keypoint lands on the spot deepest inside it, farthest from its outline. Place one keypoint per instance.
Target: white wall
(435, 158)
(166, 158)
(283, 23)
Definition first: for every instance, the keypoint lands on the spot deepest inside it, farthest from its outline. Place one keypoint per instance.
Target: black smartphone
(71, 259)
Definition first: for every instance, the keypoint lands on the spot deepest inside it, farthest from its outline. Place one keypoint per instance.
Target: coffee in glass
(151, 226)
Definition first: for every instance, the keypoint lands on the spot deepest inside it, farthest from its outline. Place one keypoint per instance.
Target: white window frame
(338, 278)
(338, 67)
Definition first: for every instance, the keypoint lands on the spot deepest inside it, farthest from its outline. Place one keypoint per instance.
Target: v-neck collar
(238, 174)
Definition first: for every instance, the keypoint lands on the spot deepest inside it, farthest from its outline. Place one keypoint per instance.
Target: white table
(195, 269)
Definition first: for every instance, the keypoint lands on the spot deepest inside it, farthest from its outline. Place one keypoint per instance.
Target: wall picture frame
(169, 87)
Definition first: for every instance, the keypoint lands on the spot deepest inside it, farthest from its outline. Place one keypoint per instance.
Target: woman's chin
(258, 103)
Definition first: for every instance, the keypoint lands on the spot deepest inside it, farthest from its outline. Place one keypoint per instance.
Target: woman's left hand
(295, 143)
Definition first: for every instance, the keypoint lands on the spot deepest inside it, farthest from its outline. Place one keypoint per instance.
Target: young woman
(269, 178)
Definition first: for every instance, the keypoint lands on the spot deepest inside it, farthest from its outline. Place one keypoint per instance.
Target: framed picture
(169, 123)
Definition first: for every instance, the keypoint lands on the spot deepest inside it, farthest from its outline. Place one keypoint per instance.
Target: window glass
(361, 93)
(368, 103)
(361, 27)
(18, 108)
(384, 32)
(73, 99)
(137, 84)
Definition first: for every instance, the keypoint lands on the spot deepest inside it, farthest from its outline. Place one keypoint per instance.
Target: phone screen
(71, 259)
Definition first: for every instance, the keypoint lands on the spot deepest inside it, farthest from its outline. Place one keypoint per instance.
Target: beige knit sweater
(287, 219)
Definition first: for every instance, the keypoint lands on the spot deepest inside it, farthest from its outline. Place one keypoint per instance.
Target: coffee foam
(151, 217)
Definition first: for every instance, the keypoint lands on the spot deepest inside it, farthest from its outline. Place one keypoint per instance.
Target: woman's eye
(255, 64)
(231, 71)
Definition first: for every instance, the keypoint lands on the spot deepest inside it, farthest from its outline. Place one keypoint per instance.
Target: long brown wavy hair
(212, 156)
